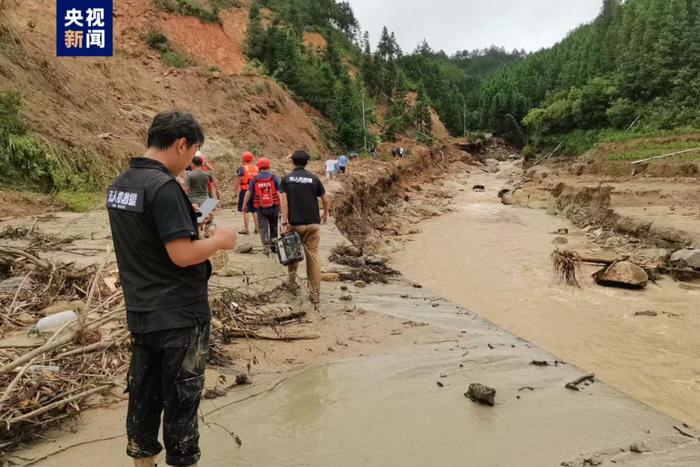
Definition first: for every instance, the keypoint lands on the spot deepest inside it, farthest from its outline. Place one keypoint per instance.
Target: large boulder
(686, 258)
(623, 274)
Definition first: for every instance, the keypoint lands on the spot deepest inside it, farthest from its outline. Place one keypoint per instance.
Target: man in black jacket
(164, 271)
(299, 194)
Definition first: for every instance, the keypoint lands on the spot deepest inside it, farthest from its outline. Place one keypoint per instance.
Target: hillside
(88, 115)
(635, 67)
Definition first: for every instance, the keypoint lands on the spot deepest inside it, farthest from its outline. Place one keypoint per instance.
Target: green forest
(635, 68)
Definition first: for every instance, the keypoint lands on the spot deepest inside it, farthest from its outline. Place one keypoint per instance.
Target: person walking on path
(198, 182)
(246, 173)
(164, 272)
(300, 191)
(343, 163)
(330, 166)
(265, 192)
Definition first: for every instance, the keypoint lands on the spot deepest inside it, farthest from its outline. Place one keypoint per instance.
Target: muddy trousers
(166, 376)
(268, 219)
(310, 238)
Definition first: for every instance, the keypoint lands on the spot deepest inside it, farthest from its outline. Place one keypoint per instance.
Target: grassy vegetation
(27, 162)
(577, 142)
(197, 9)
(157, 40)
(80, 201)
(644, 151)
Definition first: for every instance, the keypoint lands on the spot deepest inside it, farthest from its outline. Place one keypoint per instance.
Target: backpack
(266, 195)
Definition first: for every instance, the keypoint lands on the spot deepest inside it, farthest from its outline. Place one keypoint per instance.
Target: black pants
(166, 375)
(267, 225)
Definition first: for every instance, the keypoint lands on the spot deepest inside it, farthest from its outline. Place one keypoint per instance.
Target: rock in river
(686, 258)
(623, 274)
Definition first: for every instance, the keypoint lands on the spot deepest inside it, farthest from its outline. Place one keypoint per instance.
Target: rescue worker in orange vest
(264, 193)
(246, 173)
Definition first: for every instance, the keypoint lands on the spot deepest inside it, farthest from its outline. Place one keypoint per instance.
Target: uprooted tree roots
(360, 269)
(567, 264)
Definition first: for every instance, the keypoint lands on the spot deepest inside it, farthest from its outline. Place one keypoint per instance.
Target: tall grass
(28, 162)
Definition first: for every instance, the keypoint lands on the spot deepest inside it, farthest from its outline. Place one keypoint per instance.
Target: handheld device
(206, 208)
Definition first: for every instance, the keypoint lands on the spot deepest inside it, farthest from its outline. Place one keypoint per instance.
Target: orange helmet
(248, 156)
(263, 163)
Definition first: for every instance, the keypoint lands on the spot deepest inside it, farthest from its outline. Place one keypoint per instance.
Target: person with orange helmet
(246, 173)
(263, 193)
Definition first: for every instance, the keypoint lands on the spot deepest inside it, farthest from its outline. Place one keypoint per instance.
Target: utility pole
(364, 122)
(464, 120)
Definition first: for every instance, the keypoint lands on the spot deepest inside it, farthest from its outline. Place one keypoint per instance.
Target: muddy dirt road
(494, 259)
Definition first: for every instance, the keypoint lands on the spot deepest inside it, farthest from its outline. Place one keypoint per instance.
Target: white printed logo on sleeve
(125, 199)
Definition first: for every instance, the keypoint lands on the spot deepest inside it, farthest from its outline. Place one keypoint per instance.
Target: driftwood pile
(49, 378)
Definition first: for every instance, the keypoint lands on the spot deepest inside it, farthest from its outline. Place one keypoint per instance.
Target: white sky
(453, 25)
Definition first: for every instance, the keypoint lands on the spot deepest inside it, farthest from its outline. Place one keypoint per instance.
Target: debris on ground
(367, 269)
(646, 313)
(481, 394)
(75, 363)
(574, 385)
(639, 448)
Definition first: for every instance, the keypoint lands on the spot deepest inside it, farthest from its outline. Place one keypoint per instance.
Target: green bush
(193, 8)
(174, 59)
(157, 40)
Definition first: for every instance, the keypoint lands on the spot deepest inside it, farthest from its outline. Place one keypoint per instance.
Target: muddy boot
(291, 284)
(315, 299)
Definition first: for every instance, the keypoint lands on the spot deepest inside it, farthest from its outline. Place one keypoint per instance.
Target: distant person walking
(373, 152)
(343, 163)
(246, 173)
(265, 192)
(331, 168)
(299, 202)
(198, 182)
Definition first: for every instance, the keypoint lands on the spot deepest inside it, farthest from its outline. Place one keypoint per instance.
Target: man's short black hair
(197, 161)
(168, 127)
(300, 158)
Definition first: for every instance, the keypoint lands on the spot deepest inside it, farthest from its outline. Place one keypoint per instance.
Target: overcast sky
(454, 25)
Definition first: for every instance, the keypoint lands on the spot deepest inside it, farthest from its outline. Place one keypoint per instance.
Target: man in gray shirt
(197, 182)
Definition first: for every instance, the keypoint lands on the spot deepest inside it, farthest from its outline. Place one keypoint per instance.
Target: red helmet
(248, 156)
(263, 163)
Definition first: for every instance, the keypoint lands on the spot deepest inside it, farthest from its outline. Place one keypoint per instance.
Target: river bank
(495, 259)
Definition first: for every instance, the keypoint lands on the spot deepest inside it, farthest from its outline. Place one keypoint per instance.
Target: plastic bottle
(53, 321)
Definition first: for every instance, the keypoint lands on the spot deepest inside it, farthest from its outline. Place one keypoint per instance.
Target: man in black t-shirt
(299, 192)
(164, 271)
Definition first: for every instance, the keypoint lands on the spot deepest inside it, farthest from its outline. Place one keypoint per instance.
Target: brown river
(494, 260)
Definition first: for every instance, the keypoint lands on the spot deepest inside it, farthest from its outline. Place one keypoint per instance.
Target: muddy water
(494, 260)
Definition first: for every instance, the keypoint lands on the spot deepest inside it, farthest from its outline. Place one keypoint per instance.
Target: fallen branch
(665, 156)
(683, 432)
(573, 385)
(548, 155)
(60, 403)
(93, 347)
(48, 347)
(240, 333)
(17, 252)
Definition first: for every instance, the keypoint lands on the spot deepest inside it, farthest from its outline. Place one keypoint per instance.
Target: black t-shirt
(147, 209)
(303, 190)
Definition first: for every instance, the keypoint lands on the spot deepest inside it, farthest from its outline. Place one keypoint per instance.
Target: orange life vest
(249, 173)
(266, 195)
